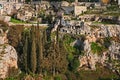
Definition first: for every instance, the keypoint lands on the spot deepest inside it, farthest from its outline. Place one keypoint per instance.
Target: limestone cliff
(101, 43)
(8, 56)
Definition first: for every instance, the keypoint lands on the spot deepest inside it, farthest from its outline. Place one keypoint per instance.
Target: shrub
(70, 57)
(75, 64)
(10, 78)
(96, 48)
(58, 78)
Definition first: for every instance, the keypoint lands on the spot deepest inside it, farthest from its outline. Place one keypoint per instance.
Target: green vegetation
(33, 57)
(73, 52)
(70, 57)
(54, 60)
(27, 1)
(16, 21)
(40, 56)
(107, 22)
(113, 8)
(74, 64)
(10, 78)
(57, 77)
(98, 11)
(67, 41)
(101, 73)
(96, 48)
(112, 13)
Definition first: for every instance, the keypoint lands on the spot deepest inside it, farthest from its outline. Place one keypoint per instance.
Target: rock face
(3, 37)
(8, 55)
(25, 13)
(108, 56)
(10, 8)
(8, 59)
(114, 50)
(113, 45)
(5, 18)
(110, 19)
(105, 36)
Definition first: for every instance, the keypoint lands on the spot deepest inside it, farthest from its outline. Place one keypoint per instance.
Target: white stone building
(79, 10)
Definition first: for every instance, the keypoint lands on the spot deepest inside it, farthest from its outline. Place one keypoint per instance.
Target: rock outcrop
(8, 59)
(106, 39)
(8, 55)
(25, 13)
(105, 36)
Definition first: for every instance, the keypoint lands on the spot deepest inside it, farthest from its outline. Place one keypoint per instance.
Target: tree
(25, 51)
(27, 1)
(40, 51)
(33, 57)
(74, 64)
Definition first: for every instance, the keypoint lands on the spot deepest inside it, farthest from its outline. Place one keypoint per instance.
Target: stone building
(79, 10)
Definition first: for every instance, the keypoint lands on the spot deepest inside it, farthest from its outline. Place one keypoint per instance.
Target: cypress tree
(25, 50)
(40, 52)
(33, 54)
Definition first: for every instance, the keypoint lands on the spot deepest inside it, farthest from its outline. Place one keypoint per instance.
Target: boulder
(8, 55)
(8, 59)
(25, 13)
(5, 18)
(3, 37)
(89, 61)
